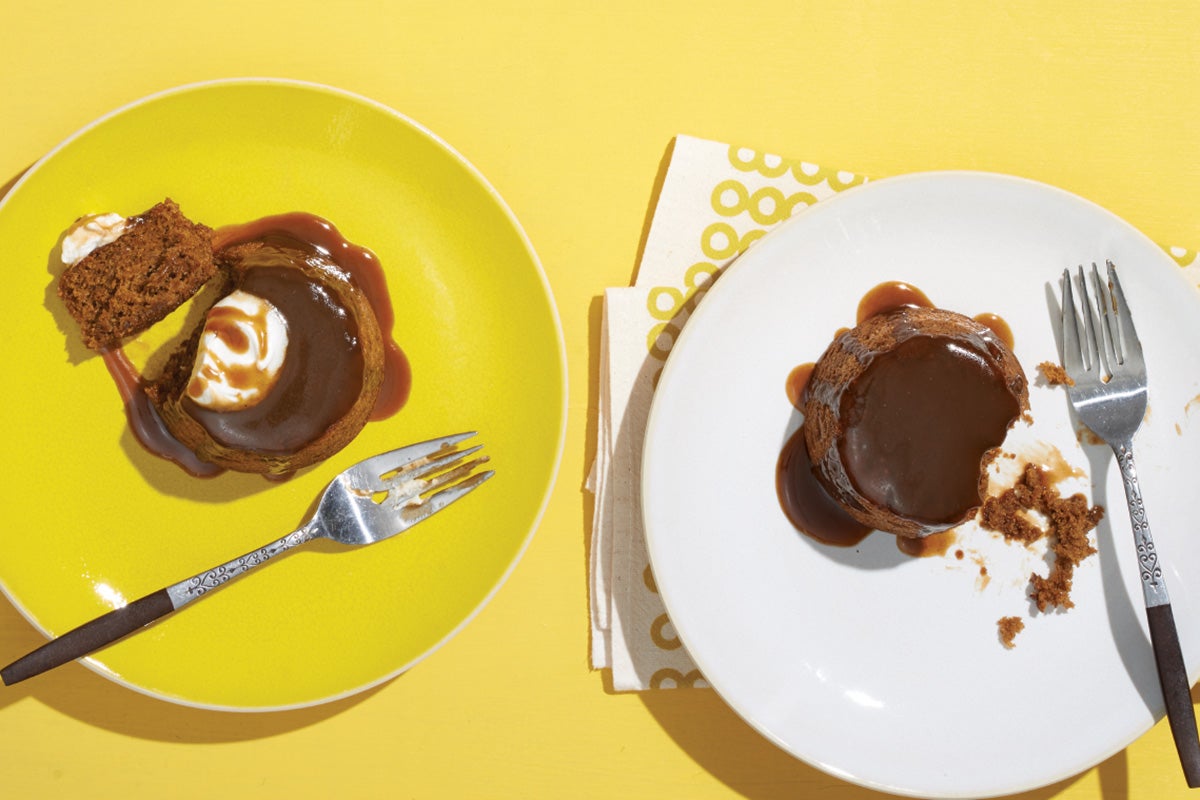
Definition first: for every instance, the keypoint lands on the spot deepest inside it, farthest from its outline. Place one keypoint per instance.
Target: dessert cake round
(284, 368)
(903, 413)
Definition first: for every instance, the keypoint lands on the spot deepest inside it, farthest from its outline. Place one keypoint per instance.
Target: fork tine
(426, 466)
(1072, 355)
(1131, 345)
(412, 514)
(1110, 337)
(407, 488)
(370, 470)
(1091, 322)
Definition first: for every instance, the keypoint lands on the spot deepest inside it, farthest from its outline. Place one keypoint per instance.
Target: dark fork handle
(89, 636)
(114, 625)
(1172, 675)
(1168, 657)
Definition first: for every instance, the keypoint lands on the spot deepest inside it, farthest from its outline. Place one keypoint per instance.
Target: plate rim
(654, 543)
(560, 349)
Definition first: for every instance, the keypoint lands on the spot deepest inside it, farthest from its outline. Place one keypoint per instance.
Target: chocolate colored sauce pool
(961, 386)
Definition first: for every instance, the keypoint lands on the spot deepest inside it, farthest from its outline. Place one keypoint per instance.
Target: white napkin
(716, 200)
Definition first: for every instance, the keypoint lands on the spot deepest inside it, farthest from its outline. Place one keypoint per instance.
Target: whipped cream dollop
(88, 233)
(241, 351)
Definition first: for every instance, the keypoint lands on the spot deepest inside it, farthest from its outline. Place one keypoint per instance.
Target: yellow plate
(93, 520)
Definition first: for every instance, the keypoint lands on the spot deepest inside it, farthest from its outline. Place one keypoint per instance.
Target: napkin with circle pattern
(715, 201)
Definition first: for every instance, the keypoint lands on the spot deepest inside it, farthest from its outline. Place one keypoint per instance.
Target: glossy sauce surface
(796, 381)
(888, 297)
(998, 326)
(917, 424)
(144, 421)
(803, 499)
(322, 373)
(805, 502)
(935, 544)
(319, 236)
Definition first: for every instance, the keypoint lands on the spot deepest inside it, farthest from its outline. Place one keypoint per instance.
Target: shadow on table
(77, 692)
(734, 753)
(12, 182)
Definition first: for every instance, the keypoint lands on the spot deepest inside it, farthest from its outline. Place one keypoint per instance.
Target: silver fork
(1103, 356)
(371, 501)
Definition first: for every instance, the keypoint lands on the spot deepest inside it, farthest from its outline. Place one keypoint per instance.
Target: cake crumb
(1069, 520)
(1009, 628)
(1054, 374)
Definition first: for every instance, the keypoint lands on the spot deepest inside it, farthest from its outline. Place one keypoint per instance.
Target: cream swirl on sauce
(240, 354)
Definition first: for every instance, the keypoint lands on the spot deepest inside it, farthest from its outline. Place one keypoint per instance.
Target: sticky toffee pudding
(289, 362)
(901, 413)
(904, 416)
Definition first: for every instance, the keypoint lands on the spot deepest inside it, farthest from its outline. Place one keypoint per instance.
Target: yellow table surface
(568, 110)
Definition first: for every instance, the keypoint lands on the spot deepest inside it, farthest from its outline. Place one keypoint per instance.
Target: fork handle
(1164, 636)
(89, 636)
(1172, 675)
(121, 622)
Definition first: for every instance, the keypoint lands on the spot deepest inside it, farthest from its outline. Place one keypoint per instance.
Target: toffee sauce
(322, 373)
(144, 421)
(297, 230)
(802, 498)
(998, 326)
(916, 425)
(308, 231)
(888, 297)
(807, 505)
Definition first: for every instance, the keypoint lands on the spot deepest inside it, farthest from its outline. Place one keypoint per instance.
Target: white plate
(879, 668)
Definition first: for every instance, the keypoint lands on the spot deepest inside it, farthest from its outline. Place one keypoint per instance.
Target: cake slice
(159, 261)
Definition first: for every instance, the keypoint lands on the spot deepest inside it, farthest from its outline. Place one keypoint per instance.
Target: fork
(370, 501)
(1103, 356)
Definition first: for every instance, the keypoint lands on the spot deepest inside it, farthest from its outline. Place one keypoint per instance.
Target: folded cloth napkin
(715, 201)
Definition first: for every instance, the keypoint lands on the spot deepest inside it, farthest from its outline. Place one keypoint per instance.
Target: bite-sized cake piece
(903, 413)
(143, 269)
(284, 370)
